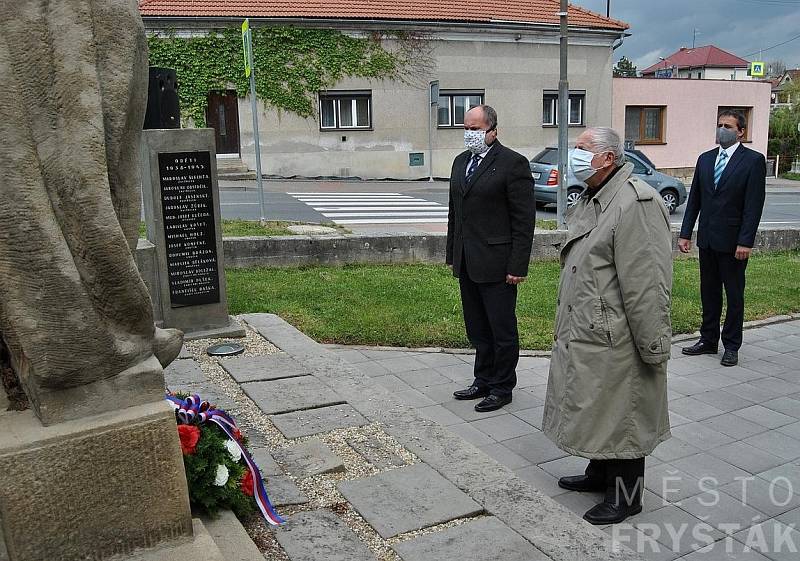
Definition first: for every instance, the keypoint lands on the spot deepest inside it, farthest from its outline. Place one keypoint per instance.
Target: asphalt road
(408, 206)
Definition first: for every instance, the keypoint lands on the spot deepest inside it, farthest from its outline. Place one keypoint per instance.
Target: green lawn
(419, 305)
(239, 228)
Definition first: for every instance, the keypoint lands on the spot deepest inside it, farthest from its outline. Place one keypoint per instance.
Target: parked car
(544, 167)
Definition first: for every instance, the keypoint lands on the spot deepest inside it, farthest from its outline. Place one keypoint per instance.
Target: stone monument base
(102, 487)
(233, 329)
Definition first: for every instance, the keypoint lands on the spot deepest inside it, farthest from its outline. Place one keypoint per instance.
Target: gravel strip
(320, 489)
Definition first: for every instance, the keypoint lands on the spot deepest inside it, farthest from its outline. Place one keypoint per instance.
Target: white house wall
(513, 75)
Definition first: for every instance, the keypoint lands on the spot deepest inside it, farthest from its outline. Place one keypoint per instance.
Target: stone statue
(74, 311)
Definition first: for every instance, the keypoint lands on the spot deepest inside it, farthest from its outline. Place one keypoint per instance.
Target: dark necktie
(476, 161)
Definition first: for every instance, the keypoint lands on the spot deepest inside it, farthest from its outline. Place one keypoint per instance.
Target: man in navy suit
(489, 236)
(728, 193)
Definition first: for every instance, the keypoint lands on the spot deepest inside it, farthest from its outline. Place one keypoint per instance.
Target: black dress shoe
(700, 348)
(472, 392)
(609, 512)
(582, 483)
(492, 403)
(730, 358)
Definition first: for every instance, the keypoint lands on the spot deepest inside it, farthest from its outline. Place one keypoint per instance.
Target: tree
(784, 137)
(625, 69)
(776, 68)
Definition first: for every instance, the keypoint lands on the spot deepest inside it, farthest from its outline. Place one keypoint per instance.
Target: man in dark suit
(728, 193)
(489, 237)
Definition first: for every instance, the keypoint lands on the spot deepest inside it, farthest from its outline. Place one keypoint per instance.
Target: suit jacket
(729, 214)
(491, 216)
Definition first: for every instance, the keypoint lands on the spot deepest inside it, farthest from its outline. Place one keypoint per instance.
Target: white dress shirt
(729, 151)
(482, 156)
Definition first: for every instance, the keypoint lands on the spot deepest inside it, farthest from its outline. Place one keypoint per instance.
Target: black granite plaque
(187, 201)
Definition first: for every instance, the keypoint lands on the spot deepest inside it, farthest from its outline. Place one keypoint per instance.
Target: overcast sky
(742, 27)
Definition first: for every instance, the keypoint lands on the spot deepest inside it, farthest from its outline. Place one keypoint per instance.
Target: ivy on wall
(291, 64)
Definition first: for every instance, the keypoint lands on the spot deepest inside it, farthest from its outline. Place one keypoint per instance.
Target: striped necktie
(720, 167)
(476, 161)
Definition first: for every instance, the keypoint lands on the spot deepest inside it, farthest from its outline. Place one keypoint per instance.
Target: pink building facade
(673, 120)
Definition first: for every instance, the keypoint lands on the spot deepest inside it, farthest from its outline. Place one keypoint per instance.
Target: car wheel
(670, 198)
(573, 195)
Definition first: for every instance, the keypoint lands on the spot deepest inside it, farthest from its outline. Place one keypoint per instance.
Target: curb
(535, 353)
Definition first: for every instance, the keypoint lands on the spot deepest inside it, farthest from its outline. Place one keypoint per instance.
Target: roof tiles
(697, 58)
(479, 11)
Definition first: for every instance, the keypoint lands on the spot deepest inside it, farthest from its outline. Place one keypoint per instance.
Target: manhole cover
(225, 349)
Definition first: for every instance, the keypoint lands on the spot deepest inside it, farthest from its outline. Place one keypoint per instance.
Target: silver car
(544, 167)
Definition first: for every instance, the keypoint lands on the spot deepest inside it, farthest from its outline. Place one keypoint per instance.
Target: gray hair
(605, 139)
(490, 115)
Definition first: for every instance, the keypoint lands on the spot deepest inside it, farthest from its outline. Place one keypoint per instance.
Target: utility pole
(694, 36)
(563, 121)
(608, 8)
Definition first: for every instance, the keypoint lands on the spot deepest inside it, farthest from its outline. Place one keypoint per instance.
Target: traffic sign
(247, 46)
(757, 69)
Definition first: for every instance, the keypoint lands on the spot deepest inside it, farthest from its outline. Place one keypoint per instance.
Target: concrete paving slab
(503, 455)
(308, 458)
(734, 426)
(317, 421)
(406, 499)
(773, 539)
(701, 436)
(376, 452)
(291, 394)
(776, 443)
(671, 483)
(282, 491)
(423, 378)
(540, 480)
(471, 542)
(535, 447)
(265, 462)
(723, 401)
(746, 457)
(694, 409)
(320, 534)
(258, 368)
(705, 465)
(472, 435)
(659, 523)
(441, 416)
(786, 405)
(532, 416)
(183, 373)
(674, 449)
(765, 417)
(786, 475)
(503, 427)
(435, 360)
(720, 509)
(764, 496)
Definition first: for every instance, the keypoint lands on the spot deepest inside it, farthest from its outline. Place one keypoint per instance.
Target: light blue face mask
(580, 163)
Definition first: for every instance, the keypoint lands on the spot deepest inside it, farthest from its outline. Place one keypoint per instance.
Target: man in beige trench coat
(607, 390)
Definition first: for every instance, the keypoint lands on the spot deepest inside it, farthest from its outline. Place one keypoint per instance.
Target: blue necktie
(720, 167)
(476, 161)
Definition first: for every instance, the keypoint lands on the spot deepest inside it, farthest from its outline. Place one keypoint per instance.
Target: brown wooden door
(222, 115)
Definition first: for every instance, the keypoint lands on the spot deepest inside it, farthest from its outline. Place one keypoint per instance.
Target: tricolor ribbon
(194, 411)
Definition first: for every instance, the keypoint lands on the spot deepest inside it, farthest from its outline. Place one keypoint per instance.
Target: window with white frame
(454, 105)
(345, 110)
(577, 101)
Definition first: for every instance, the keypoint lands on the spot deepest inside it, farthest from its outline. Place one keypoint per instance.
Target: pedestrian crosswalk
(373, 208)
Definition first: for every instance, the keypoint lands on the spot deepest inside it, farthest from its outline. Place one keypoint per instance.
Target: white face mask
(580, 163)
(475, 141)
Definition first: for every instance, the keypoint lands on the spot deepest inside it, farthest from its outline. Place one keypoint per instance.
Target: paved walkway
(732, 467)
